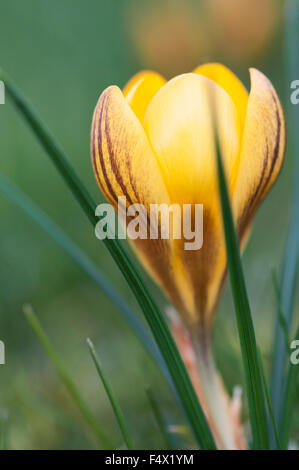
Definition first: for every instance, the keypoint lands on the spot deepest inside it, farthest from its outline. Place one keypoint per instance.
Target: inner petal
(140, 90)
(230, 83)
(180, 126)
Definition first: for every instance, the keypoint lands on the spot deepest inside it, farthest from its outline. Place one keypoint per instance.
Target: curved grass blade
(290, 263)
(39, 217)
(153, 316)
(281, 317)
(118, 414)
(66, 379)
(288, 399)
(254, 385)
(268, 400)
(158, 417)
(3, 429)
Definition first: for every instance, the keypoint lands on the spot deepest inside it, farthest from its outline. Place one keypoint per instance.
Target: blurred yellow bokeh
(244, 28)
(175, 36)
(166, 36)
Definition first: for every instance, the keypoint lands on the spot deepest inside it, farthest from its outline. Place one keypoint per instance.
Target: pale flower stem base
(218, 406)
(222, 413)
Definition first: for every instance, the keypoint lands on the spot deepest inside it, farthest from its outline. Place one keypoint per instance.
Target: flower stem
(216, 402)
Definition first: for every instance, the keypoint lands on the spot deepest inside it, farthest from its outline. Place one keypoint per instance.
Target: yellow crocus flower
(154, 143)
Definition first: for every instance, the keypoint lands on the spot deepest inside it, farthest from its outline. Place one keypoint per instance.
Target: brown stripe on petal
(115, 170)
(93, 151)
(277, 143)
(94, 147)
(134, 189)
(101, 157)
(132, 182)
(275, 155)
(95, 124)
(102, 135)
(265, 178)
(253, 199)
(251, 205)
(113, 161)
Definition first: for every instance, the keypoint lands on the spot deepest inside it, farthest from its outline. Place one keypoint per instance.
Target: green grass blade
(118, 414)
(268, 400)
(281, 316)
(253, 379)
(158, 417)
(3, 429)
(290, 262)
(39, 217)
(288, 399)
(154, 318)
(89, 418)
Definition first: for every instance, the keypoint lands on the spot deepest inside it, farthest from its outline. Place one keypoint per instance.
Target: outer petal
(125, 165)
(140, 90)
(121, 154)
(262, 150)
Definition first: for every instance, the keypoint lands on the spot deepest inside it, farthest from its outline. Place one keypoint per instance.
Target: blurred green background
(62, 54)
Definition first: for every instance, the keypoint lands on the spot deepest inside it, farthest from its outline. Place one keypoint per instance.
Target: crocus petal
(121, 154)
(179, 124)
(125, 165)
(230, 83)
(238, 93)
(140, 90)
(263, 149)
